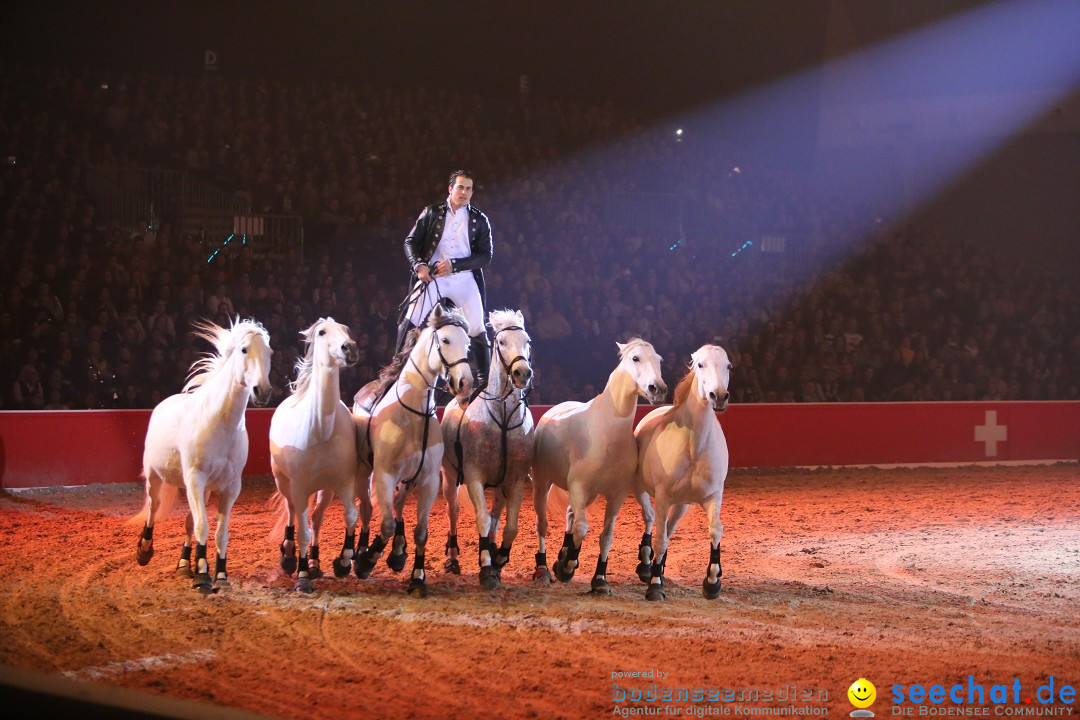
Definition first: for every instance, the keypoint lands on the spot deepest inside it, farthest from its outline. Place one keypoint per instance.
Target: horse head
(330, 344)
(712, 372)
(252, 343)
(513, 347)
(639, 359)
(447, 352)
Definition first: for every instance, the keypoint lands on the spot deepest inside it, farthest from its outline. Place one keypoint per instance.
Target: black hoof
(489, 577)
(287, 562)
(303, 584)
(452, 566)
(600, 586)
(314, 571)
(498, 560)
(184, 570)
(342, 568)
(655, 592)
(222, 584)
(542, 574)
(710, 590)
(644, 571)
(562, 571)
(396, 562)
(143, 556)
(203, 583)
(363, 565)
(418, 588)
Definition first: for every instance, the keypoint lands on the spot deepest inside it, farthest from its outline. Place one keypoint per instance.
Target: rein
(429, 412)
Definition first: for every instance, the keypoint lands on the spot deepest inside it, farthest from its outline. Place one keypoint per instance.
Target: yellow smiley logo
(862, 693)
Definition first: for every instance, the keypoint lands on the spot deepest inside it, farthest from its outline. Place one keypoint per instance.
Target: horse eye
(729, 366)
(445, 341)
(243, 350)
(321, 333)
(635, 358)
(700, 365)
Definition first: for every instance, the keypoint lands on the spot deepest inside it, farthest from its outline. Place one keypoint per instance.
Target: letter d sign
(210, 60)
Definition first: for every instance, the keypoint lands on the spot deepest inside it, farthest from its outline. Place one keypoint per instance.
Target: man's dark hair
(461, 173)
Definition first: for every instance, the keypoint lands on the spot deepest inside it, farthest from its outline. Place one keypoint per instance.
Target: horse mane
(631, 345)
(304, 364)
(682, 390)
(225, 341)
(499, 319)
(389, 374)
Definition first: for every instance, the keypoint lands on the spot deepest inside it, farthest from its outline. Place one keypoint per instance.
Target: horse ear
(620, 346)
(520, 318)
(438, 312)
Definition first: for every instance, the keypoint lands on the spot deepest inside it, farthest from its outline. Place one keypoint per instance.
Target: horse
(313, 448)
(493, 447)
(398, 437)
(683, 459)
(588, 450)
(197, 440)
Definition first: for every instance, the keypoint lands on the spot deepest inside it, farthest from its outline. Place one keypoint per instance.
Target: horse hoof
(418, 588)
(184, 571)
(452, 566)
(143, 556)
(563, 573)
(396, 562)
(303, 584)
(710, 590)
(542, 574)
(314, 572)
(655, 592)
(363, 565)
(288, 564)
(644, 572)
(222, 584)
(600, 586)
(342, 568)
(203, 583)
(489, 578)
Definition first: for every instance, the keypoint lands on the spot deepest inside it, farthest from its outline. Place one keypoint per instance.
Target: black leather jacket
(422, 240)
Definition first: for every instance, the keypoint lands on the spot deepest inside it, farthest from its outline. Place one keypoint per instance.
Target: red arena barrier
(81, 447)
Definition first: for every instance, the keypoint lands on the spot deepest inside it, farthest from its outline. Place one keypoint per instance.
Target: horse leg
(367, 558)
(675, 514)
(322, 501)
(183, 565)
(513, 509)
(540, 496)
(567, 564)
(660, 542)
(612, 505)
(287, 560)
(498, 503)
(195, 482)
(453, 511)
(711, 585)
(425, 498)
(397, 557)
(644, 568)
(303, 543)
(144, 548)
(343, 562)
(489, 578)
(363, 491)
(221, 535)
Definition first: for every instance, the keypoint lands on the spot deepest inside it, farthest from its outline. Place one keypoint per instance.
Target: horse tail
(167, 499)
(279, 506)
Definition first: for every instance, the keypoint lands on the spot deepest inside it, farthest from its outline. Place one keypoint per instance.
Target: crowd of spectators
(96, 312)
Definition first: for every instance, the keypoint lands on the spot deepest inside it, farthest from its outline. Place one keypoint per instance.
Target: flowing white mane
(225, 342)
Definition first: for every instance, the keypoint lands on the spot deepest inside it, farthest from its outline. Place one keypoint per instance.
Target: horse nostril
(652, 388)
(712, 395)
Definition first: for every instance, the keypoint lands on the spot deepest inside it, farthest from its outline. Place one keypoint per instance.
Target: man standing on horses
(448, 248)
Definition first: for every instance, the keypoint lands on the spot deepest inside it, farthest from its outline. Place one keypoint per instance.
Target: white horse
(588, 449)
(197, 440)
(492, 447)
(397, 434)
(683, 459)
(313, 448)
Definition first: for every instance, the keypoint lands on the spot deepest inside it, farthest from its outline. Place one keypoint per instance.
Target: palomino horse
(683, 459)
(492, 445)
(197, 440)
(588, 449)
(313, 448)
(400, 437)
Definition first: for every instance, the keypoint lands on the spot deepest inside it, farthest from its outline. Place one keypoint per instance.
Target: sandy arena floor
(900, 576)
